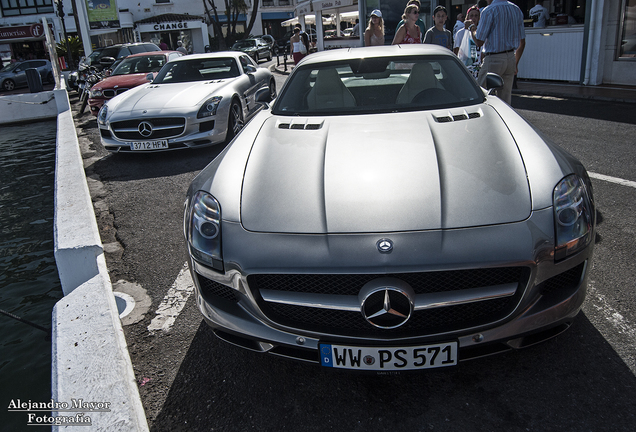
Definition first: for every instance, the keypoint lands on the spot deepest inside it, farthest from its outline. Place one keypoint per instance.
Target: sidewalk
(604, 92)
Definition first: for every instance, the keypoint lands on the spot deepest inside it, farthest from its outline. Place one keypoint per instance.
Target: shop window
(268, 2)
(627, 41)
(25, 7)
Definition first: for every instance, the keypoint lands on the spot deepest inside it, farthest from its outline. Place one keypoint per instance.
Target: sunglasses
(415, 12)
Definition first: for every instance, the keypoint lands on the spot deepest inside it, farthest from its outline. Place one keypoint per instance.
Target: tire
(235, 121)
(269, 55)
(84, 103)
(8, 85)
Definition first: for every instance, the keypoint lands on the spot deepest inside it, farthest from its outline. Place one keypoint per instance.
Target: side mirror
(250, 69)
(106, 61)
(150, 76)
(493, 82)
(263, 96)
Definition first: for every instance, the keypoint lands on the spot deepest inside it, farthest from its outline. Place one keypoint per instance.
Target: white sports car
(385, 214)
(194, 101)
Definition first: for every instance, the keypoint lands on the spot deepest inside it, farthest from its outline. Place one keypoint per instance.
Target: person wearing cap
(419, 21)
(374, 34)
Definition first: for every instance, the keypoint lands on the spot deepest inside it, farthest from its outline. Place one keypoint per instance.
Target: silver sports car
(386, 213)
(194, 101)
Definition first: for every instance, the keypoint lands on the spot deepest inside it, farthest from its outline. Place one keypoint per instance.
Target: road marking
(619, 323)
(616, 180)
(173, 302)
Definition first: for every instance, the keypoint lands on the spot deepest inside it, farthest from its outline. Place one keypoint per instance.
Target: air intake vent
(457, 117)
(299, 126)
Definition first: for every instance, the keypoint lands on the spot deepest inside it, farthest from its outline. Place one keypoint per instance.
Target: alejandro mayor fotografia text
(38, 412)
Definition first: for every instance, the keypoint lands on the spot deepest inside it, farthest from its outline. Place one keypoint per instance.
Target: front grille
(162, 127)
(563, 282)
(111, 93)
(352, 323)
(211, 289)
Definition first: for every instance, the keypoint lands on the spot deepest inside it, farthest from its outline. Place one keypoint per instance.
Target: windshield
(92, 57)
(197, 70)
(375, 85)
(244, 44)
(9, 67)
(143, 64)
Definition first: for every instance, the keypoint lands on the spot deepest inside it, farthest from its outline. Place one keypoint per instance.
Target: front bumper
(546, 302)
(193, 133)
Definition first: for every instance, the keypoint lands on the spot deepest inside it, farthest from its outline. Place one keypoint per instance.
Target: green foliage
(77, 49)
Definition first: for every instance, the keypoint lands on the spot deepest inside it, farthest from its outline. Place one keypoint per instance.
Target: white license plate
(149, 145)
(389, 358)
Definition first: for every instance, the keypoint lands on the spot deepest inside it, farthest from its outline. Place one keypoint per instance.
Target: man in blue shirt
(503, 38)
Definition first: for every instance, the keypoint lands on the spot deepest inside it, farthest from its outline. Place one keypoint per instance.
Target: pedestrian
(465, 47)
(409, 32)
(459, 24)
(503, 38)
(419, 21)
(356, 29)
(374, 34)
(163, 46)
(437, 34)
(180, 48)
(299, 49)
(539, 15)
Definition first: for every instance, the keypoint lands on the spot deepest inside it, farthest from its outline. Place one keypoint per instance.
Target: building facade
(587, 41)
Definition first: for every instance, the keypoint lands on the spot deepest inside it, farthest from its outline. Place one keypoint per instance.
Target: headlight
(209, 107)
(204, 230)
(573, 216)
(103, 113)
(95, 93)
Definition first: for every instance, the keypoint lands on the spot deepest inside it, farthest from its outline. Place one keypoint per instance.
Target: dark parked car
(14, 74)
(255, 47)
(105, 57)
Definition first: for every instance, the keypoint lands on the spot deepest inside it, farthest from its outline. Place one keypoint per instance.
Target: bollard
(34, 80)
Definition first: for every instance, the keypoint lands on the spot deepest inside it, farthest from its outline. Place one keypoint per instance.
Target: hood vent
(456, 117)
(301, 126)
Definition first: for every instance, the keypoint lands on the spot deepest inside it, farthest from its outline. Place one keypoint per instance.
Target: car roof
(218, 54)
(147, 53)
(376, 51)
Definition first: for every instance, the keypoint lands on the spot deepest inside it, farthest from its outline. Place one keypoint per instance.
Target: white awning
(309, 19)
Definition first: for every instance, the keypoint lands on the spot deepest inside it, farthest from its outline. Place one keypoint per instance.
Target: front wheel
(84, 103)
(235, 121)
(8, 85)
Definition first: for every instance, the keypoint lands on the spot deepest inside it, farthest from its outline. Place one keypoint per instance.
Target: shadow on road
(574, 382)
(599, 110)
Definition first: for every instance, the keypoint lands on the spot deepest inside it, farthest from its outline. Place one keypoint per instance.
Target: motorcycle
(91, 78)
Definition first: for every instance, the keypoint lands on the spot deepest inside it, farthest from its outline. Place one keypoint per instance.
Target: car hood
(384, 173)
(155, 97)
(124, 81)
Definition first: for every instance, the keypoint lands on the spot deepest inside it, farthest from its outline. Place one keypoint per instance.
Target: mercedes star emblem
(385, 245)
(145, 129)
(387, 308)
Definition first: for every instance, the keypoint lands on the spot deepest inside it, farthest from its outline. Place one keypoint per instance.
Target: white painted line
(616, 180)
(173, 302)
(618, 321)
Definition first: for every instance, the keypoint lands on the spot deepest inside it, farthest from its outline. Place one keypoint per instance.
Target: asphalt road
(583, 380)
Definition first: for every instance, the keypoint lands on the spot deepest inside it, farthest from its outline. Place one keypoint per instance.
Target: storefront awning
(309, 19)
(277, 15)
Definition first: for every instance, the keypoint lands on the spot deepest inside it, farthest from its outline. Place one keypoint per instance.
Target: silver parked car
(385, 214)
(14, 74)
(194, 101)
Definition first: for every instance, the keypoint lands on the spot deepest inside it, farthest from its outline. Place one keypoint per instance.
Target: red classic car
(131, 72)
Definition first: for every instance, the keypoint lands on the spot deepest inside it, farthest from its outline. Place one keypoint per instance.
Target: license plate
(149, 145)
(389, 358)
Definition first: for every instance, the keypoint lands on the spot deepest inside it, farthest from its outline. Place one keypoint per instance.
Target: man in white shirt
(459, 24)
(539, 15)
